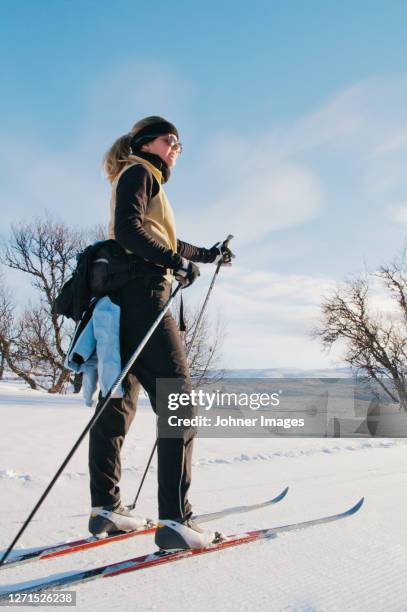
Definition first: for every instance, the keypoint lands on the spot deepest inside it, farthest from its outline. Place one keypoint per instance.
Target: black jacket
(134, 190)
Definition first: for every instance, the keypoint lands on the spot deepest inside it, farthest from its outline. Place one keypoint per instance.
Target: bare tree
(9, 338)
(204, 352)
(98, 232)
(34, 346)
(395, 279)
(375, 344)
(5, 307)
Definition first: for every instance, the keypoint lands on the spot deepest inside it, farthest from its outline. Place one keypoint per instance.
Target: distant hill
(289, 373)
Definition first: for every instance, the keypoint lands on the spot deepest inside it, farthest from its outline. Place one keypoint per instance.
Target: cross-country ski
(163, 557)
(66, 548)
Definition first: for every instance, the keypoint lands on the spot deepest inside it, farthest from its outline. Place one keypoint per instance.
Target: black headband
(151, 132)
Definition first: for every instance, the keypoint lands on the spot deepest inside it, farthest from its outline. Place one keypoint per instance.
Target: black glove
(186, 273)
(221, 253)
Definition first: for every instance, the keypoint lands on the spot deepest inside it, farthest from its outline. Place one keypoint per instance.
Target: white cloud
(269, 316)
(254, 206)
(399, 213)
(394, 143)
(346, 160)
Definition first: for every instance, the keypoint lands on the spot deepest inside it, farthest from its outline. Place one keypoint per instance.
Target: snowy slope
(358, 564)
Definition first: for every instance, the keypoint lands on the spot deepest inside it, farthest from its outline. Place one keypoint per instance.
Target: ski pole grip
(228, 239)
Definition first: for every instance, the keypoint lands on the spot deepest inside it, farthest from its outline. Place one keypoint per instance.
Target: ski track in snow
(357, 565)
(10, 473)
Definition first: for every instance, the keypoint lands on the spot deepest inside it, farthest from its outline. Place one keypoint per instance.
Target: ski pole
(98, 411)
(224, 243)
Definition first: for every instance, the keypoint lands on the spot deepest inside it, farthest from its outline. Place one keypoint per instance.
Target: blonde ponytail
(116, 157)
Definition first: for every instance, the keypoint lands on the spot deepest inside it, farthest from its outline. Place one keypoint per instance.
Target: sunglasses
(171, 140)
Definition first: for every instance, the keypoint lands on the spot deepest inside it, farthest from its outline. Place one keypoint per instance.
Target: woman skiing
(142, 222)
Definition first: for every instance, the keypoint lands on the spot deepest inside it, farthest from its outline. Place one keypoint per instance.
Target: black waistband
(141, 267)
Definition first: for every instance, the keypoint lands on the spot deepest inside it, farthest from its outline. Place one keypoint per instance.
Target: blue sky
(293, 116)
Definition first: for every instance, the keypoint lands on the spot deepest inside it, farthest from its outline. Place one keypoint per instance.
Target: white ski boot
(109, 519)
(184, 534)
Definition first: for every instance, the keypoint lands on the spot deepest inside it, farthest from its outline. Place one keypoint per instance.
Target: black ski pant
(140, 301)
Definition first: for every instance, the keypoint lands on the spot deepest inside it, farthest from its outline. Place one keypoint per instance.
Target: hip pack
(101, 268)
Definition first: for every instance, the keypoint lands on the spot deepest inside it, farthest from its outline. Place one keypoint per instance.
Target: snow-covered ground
(356, 564)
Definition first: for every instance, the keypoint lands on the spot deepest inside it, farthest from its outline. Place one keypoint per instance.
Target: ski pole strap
(182, 326)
